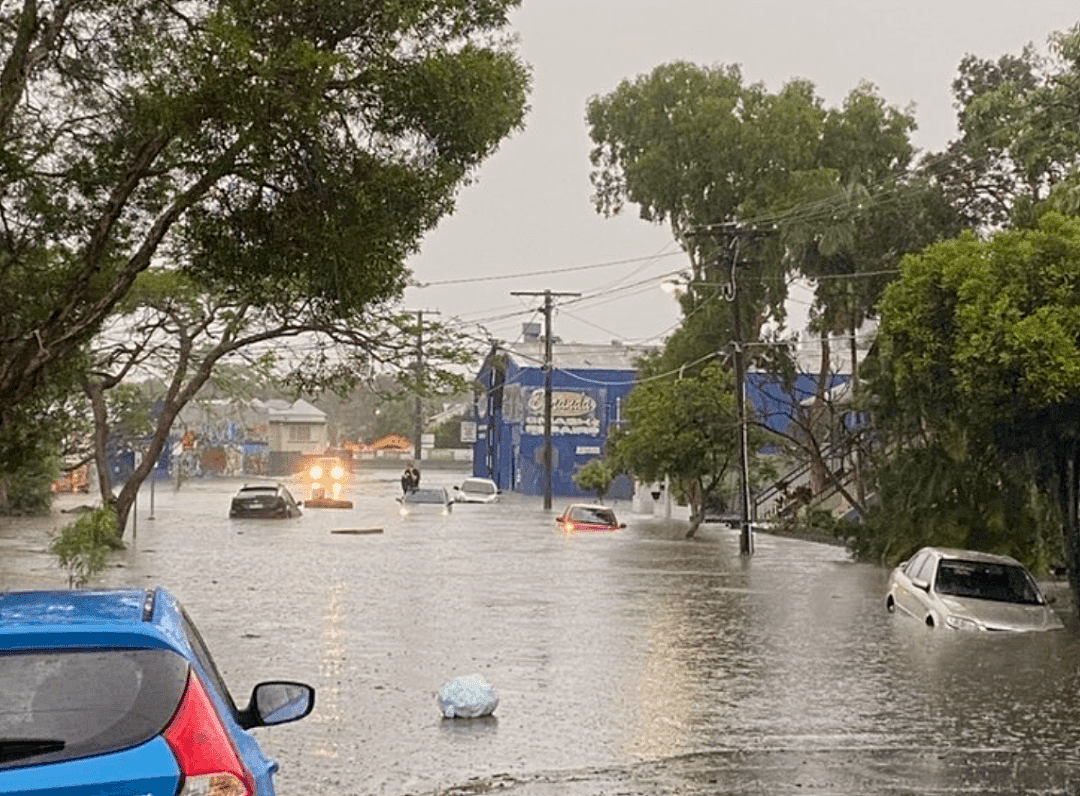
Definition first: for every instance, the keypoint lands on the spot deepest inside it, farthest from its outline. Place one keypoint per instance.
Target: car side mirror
(920, 584)
(277, 702)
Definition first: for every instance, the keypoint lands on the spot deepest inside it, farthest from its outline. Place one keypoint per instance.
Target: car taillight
(209, 765)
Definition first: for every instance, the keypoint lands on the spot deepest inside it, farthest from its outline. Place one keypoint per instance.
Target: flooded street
(635, 662)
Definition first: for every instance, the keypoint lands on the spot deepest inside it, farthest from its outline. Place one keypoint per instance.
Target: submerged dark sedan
(272, 501)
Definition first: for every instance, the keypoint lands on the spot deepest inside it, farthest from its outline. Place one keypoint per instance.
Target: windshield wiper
(21, 748)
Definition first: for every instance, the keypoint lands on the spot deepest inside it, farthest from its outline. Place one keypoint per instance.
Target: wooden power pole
(546, 474)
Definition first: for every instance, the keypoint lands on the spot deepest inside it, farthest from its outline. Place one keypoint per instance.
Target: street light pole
(418, 408)
(418, 424)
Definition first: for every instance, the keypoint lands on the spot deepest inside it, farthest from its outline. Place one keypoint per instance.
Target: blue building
(588, 384)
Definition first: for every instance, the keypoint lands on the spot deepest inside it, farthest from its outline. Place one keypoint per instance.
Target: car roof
(969, 555)
(126, 617)
(429, 492)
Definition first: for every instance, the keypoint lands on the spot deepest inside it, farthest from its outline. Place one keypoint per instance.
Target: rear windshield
(59, 705)
(426, 496)
(481, 487)
(258, 491)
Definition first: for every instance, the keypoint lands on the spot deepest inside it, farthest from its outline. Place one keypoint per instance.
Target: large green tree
(980, 343)
(761, 187)
(685, 428)
(275, 151)
(1019, 138)
(699, 149)
(716, 158)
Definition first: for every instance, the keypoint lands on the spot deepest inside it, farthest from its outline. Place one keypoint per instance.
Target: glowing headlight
(316, 472)
(338, 472)
(961, 623)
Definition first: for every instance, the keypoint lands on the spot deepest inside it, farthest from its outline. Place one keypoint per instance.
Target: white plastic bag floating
(467, 697)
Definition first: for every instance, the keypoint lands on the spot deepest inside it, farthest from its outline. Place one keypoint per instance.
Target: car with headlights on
(114, 691)
(969, 590)
(477, 490)
(579, 517)
(426, 500)
(263, 501)
(326, 480)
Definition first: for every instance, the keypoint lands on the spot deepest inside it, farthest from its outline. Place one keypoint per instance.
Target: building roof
(300, 411)
(576, 356)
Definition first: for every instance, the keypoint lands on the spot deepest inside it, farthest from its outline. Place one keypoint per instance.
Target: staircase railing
(772, 499)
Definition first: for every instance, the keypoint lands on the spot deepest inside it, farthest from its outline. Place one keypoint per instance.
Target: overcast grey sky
(528, 224)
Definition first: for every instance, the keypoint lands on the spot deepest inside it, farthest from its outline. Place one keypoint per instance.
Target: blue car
(115, 692)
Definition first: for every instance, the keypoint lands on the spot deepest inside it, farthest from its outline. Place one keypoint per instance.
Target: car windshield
(60, 705)
(480, 487)
(986, 580)
(596, 516)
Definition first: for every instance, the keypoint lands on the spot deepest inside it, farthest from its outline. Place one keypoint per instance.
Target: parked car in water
(585, 517)
(426, 500)
(264, 500)
(114, 691)
(969, 590)
(477, 490)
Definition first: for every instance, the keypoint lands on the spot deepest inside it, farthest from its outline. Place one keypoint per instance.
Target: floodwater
(635, 662)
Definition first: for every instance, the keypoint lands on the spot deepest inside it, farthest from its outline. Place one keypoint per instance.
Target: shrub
(83, 546)
(595, 476)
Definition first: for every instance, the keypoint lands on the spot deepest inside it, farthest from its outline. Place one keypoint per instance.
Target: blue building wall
(587, 407)
(774, 403)
(510, 435)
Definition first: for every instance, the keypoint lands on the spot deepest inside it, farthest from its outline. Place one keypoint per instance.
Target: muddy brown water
(635, 662)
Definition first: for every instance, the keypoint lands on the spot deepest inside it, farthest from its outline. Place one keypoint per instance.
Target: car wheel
(890, 605)
(929, 620)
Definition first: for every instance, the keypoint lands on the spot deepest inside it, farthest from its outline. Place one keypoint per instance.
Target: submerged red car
(584, 517)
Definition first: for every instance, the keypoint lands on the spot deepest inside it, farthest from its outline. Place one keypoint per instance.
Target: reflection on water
(637, 651)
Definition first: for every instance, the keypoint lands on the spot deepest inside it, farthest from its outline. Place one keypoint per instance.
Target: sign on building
(468, 431)
(572, 412)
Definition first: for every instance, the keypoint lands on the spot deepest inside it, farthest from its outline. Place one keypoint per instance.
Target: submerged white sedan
(477, 490)
(969, 590)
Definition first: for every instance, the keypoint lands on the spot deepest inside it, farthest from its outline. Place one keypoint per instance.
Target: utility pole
(418, 425)
(546, 474)
(730, 239)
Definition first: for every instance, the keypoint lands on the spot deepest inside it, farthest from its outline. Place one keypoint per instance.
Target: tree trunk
(128, 494)
(695, 496)
(95, 392)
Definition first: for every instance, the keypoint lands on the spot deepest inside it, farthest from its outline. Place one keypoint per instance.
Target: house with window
(292, 430)
(589, 383)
